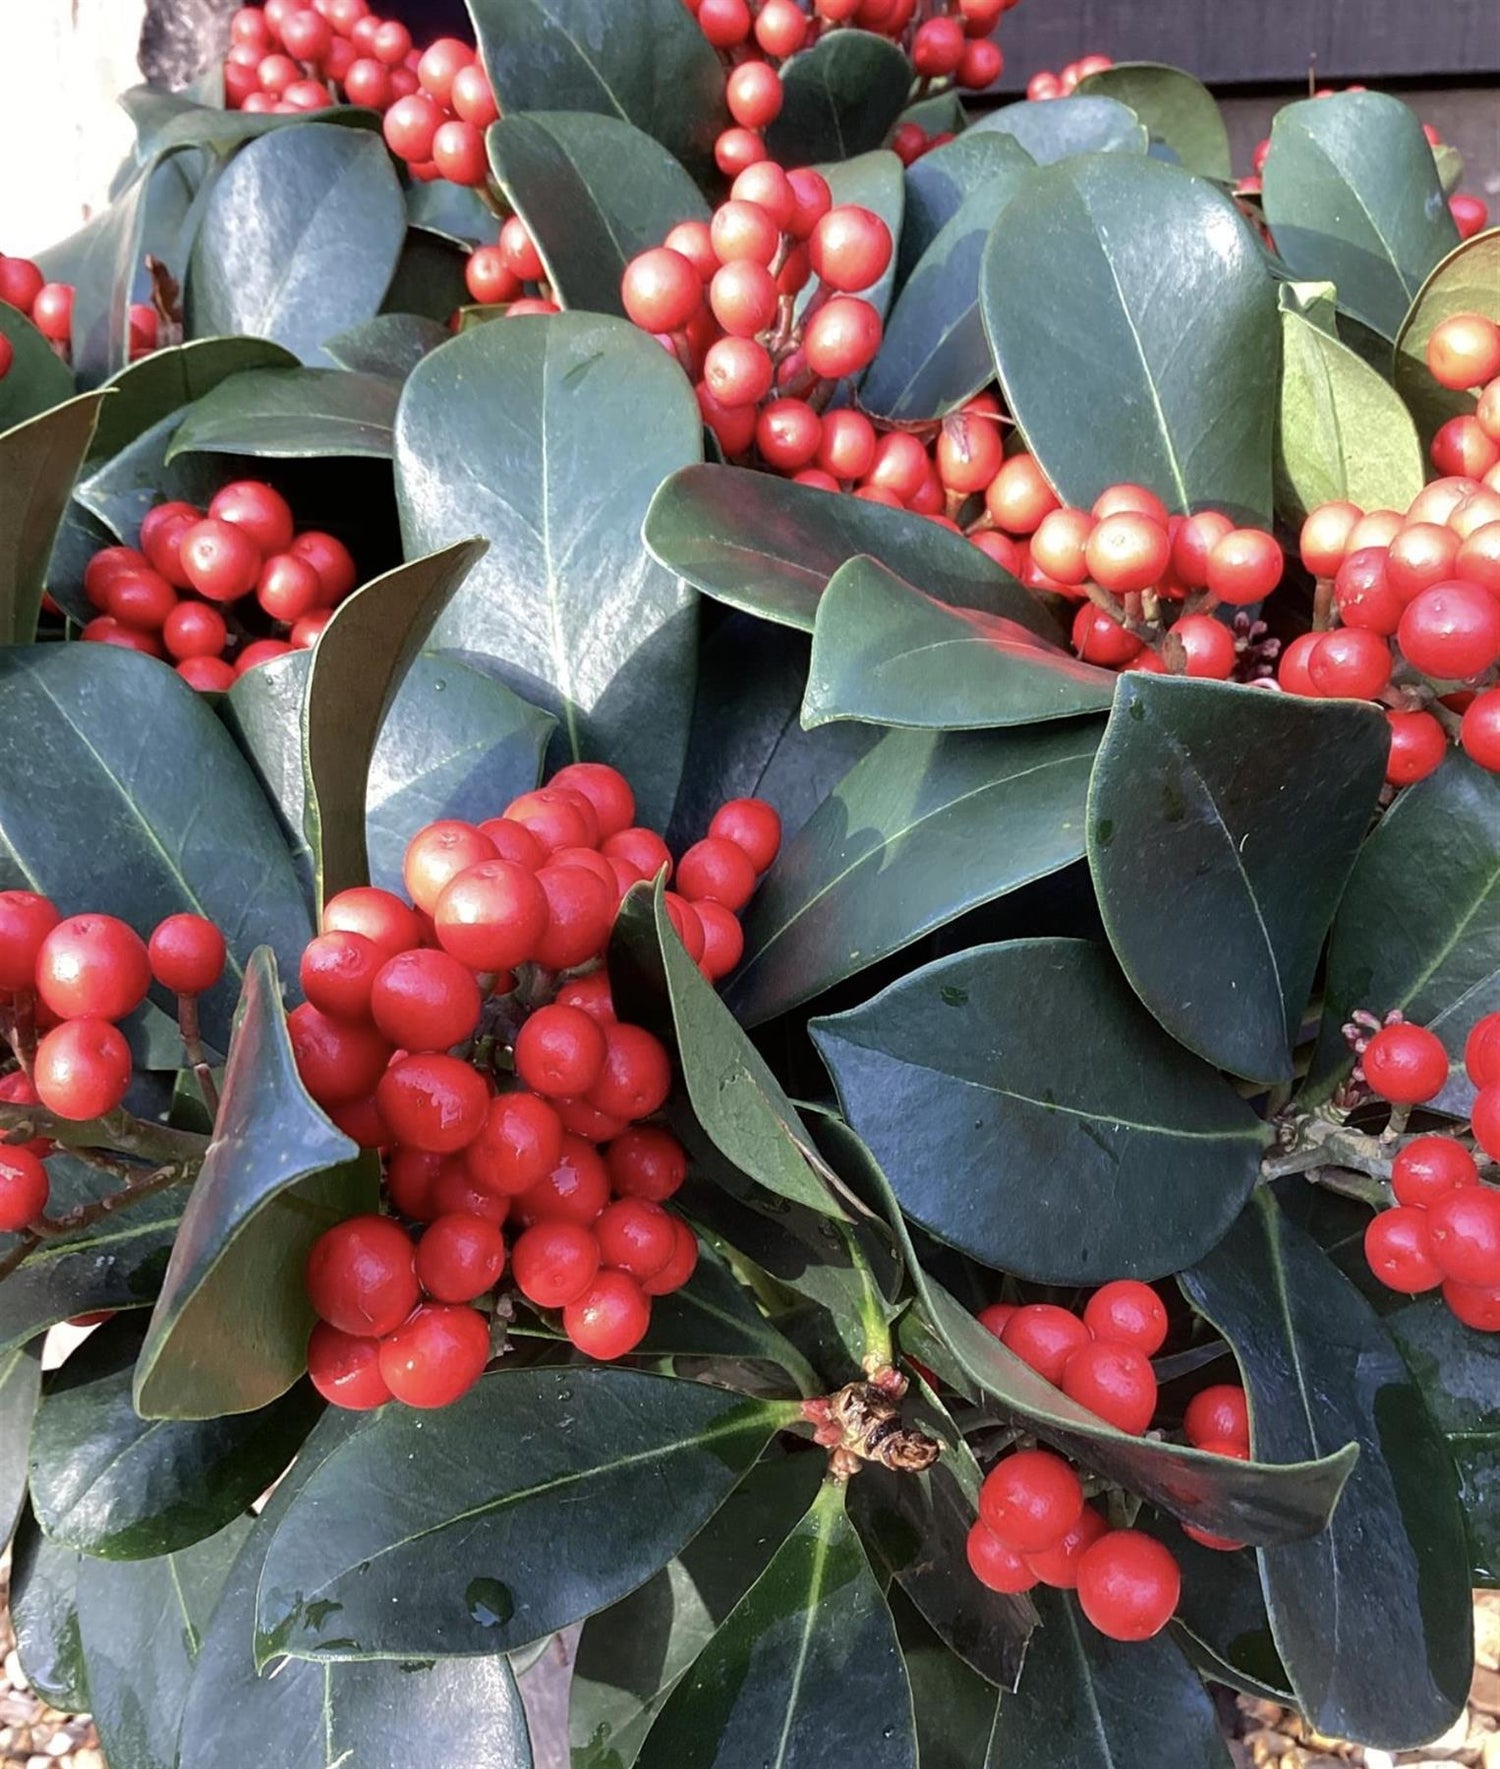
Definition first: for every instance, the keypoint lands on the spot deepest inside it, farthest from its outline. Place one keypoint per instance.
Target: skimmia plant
(692, 951)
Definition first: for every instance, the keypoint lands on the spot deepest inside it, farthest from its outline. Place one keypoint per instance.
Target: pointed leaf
(805, 1671)
(938, 183)
(20, 1389)
(1466, 281)
(567, 599)
(39, 463)
(714, 1315)
(1036, 1050)
(593, 192)
(926, 826)
(299, 239)
(456, 211)
(391, 344)
(1177, 110)
(110, 1483)
(1221, 1620)
(102, 261)
(886, 652)
(211, 126)
(147, 391)
(1058, 128)
(839, 98)
(37, 378)
(1321, 1370)
(1114, 371)
(538, 1498)
(1352, 197)
(229, 1331)
(769, 547)
(44, 1613)
(291, 412)
(1262, 800)
(954, 1706)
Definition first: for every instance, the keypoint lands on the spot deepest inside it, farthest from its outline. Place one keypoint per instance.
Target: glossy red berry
(433, 1102)
(82, 1069)
(636, 1075)
(1405, 1064)
(1244, 567)
(1464, 1229)
(260, 510)
(437, 1356)
(1114, 1381)
(26, 919)
(635, 1236)
(361, 1276)
(605, 788)
(1128, 1312)
(425, 1000)
(1482, 1051)
(1451, 631)
(93, 965)
(753, 93)
(187, 954)
(52, 312)
(194, 630)
(850, 248)
(1128, 1585)
(1476, 1305)
(842, 337)
(560, 1051)
(1418, 746)
(1351, 663)
(580, 913)
(1044, 1336)
(24, 1188)
(460, 1257)
(1099, 638)
(20, 283)
(337, 1059)
(492, 916)
(680, 1266)
(575, 1190)
(751, 825)
(337, 972)
(610, 1318)
(1218, 1413)
(1030, 1500)
(554, 1262)
(219, 559)
(645, 1162)
(1480, 732)
(332, 561)
(436, 855)
(997, 1567)
(288, 588)
(519, 1144)
(1398, 1249)
(1127, 552)
(723, 939)
(719, 869)
(1058, 1566)
(1428, 1167)
(345, 1369)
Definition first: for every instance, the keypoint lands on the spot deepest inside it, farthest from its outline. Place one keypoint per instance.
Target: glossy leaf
(428, 280)
(1221, 1619)
(1115, 372)
(980, 1077)
(1263, 801)
(1058, 128)
(736, 1098)
(887, 653)
(39, 463)
(1342, 432)
(1177, 110)
(164, 814)
(938, 184)
(769, 547)
(37, 378)
(582, 619)
(120, 490)
(391, 344)
(456, 211)
(229, 1331)
(873, 181)
(291, 412)
(1086, 1702)
(954, 1706)
(357, 668)
(593, 192)
(1466, 281)
(806, 1667)
(313, 1714)
(20, 1389)
(147, 391)
(840, 98)
(540, 1497)
(142, 1624)
(714, 1315)
(1251, 1501)
(1352, 196)
(934, 354)
(651, 66)
(110, 1483)
(102, 261)
(1418, 928)
(211, 126)
(299, 239)
(44, 1613)
(1320, 1370)
(926, 826)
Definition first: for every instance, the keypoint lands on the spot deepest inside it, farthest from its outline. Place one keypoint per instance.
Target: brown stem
(1322, 616)
(175, 1173)
(192, 1044)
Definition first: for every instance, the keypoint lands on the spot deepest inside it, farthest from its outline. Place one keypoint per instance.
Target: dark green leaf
(1251, 1501)
(428, 281)
(887, 653)
(102, 261)
(37, 378)
(1114, 371)
(1418, 928)
(391, 344)
(1466, 281)
(229, 1331)
(44, 1612)
(567, 599)
(39, 462)
(456, 211)
(715, 1316)
(119, 491)
(166, 380)
(1342, 432)
(926, 826)
(1058, 128)
(1037, 1048)
(736, 1098)
(1085, 1702)
(593, 192)
(357, 668)
(538, 1498)
(299, 240)
(1321, 1370)
(1261, 800)
(211, 126)
(311, 1715)
(1176, 109)
(291, 412)
(79, 537)
(955, 1708)
(142, 1623)
(1352, 197)
(840, 98)
(163, 813)
(938, 183)
(1221, 1618)
(631, 1655)
(934, 355)
(108, 1482)
(806, 1666)
(769, 547)
(20, 1389)
(263, 714)
(651, 66)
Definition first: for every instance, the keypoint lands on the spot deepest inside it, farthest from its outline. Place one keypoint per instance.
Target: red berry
(436, 855)
(209, 675)
(492, 916)
(1114, 1381)
(519, 1144)
(1428, 1168)
(1405, 1064)
(337, 972)
(1127, 552)
(93, 965)
(591, 994)
(440, 64)
(338, 1060)
(850, 248)
(554, 1262)
(1128, 1312)
(1030, 1500)
(645, 1162)
(345, 1369)
(1209, 646)
(1099, 638)
(1476, 1305)
(982, 64)
(751, 825)
(737, 150)
(361, 1276)
(580, 913)
(1219, 1413)
(1058, 1566)
(187, 954)
(142, 598)
(260, 510)
(842, 337)
(1398, 1249)
(1451, 631)
(194, 630)
(1350, 663)
(1244, 566)
(472, 97)
(332, 561)
(642, 848)
(433, 1102)
(995, 1317)
(723, 939)
(1128, 1585)
(288, 588)
(519, 251)
(1482, 1051)
(605, 788)
(718, 869)
(455, 1192)
(1464, 351)
(661, 290)
(1045, 1337)
(635, 1236)
(26, 919)
(997, 1567)
(636, 1075)
(425, 1000)
(737, 371)
(82, 1069)
(219, 559)
(24, 1188)
(560, 1051)
(489, 279)
(753, 92)
(459, 1257)
(680, 1266)
(1464, 1227)
(610, 1318)
(368, 82)
(575, 1190)
(52, 312)
(20, 283)
(16, 1090)
(1418, 746)
(410, 125)
(1480, 731)
(781, 28)
(1423, 554)
(437, 1356)
(726, 23)
(557, 817)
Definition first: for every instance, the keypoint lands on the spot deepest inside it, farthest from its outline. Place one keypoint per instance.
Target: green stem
(118, 1130)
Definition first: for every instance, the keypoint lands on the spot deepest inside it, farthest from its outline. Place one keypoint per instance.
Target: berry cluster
(951, 42)
(245, 544)
(501, 1097)
(1444, 1230)
(722, 296)
(49, 307)
(500, 275)
(1063, 83)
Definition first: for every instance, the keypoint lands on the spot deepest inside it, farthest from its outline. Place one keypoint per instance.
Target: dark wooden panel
(1237, 41)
